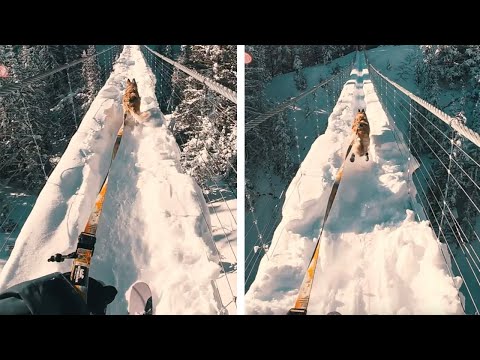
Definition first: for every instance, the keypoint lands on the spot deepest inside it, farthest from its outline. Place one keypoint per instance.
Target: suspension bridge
(402, 236)
(158, 225)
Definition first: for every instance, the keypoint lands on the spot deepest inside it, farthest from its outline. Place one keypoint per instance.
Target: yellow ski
(303, 297)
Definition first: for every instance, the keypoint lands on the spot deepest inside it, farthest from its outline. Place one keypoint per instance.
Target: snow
(155, 222)
(375, 258)
(224, 229)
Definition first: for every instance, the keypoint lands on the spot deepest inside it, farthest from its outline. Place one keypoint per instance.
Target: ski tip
(139, 299)
(334, 313)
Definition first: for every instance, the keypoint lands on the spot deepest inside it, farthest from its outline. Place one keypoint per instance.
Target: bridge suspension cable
(218, 88)
(8, 89)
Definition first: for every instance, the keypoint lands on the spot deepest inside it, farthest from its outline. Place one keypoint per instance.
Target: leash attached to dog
(86, 240)
(303, 297)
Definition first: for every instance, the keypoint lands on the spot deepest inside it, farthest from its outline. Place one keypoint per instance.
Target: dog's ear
(128, 81)
(358, 110)
(133, 81)
(363, 111)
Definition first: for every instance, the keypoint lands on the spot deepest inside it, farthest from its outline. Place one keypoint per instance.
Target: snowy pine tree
(35, 110)
(12, 137)
(91, 78)
(280, 59)
(256, 77)
(300, 80)
(257, 74)
(327, 54)
(168, 52)
(205, 122)
(283, 161)
(70, 97)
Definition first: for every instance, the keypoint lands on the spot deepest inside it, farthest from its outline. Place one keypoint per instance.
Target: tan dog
(361, 129)
(131, 99)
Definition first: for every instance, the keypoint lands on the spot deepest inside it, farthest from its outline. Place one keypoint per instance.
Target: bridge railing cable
(219, 88)
(453, 122)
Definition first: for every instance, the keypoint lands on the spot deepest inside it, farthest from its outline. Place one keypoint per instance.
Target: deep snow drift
(155, 223)
(375, 258)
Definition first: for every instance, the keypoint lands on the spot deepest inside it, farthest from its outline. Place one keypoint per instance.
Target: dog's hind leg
(352, 158)
(367, 156)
